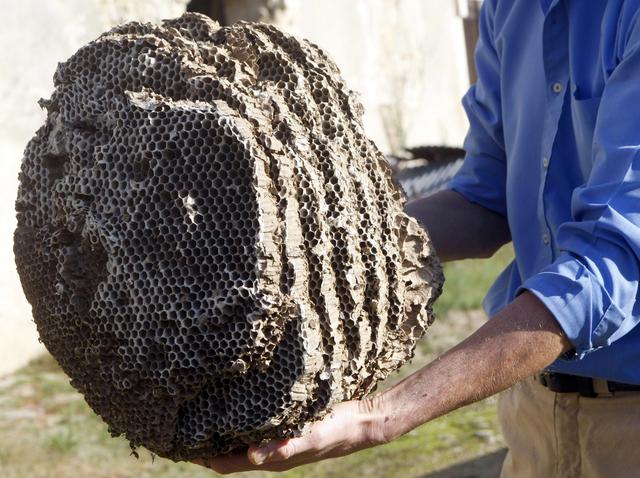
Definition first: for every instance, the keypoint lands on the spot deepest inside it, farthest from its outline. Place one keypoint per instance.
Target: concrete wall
(35, 35)
(407, 58)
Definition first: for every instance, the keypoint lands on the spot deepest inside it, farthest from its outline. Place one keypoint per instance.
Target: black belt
(564, 383)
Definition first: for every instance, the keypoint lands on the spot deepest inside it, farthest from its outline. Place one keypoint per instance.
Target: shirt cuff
(579, 303)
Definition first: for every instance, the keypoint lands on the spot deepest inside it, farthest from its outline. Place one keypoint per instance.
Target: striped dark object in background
(424, 170)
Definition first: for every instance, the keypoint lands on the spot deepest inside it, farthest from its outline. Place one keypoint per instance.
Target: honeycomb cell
(214, 251)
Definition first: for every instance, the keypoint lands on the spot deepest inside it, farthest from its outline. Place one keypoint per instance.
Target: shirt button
(545, 162)
(545, 238)
(557, 87)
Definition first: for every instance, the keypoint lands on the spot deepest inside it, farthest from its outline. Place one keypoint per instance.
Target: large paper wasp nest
(214, 251)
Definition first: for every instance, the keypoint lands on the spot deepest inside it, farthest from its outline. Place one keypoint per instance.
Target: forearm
(521, 340)
(459, 228)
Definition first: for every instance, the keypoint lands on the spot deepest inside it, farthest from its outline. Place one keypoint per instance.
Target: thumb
(275, 450)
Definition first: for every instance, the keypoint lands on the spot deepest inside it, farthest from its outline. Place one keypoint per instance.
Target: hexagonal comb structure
(214, 251)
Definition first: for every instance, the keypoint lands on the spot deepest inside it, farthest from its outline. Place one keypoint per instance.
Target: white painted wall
(406, 58)
(36, 35)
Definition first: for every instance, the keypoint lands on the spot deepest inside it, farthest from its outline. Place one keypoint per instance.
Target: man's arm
(519, 341)
(459, 228)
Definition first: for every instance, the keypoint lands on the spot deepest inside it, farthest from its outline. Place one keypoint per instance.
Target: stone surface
(213, 250)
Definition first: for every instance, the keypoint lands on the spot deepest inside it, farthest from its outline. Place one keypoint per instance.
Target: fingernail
(258, 457)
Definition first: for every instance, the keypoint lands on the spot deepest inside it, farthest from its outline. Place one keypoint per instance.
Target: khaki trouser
(565, 435)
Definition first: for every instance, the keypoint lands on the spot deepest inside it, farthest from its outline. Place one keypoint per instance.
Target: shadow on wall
(486, 466)
(389, 51)
(227, 12)
(213, 8)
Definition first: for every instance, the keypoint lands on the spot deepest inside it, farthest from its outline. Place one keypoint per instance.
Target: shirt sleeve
(592, 288)
(482, 178)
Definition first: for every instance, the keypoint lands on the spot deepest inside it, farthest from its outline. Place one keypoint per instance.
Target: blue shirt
(553, 145)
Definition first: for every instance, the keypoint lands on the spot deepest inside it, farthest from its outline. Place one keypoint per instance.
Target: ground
(46, 429)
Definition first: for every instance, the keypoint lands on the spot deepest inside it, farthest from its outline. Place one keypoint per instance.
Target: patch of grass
(63, 440)
(467, 282)
(42, 364)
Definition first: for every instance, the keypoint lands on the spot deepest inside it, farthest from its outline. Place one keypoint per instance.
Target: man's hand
(349, 427)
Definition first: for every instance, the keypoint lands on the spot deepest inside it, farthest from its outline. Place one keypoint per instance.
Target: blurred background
(411, 62)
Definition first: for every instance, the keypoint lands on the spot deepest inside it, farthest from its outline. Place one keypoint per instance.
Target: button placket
(555, 52)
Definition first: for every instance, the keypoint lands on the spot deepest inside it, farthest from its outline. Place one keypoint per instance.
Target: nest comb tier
(213, 250)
